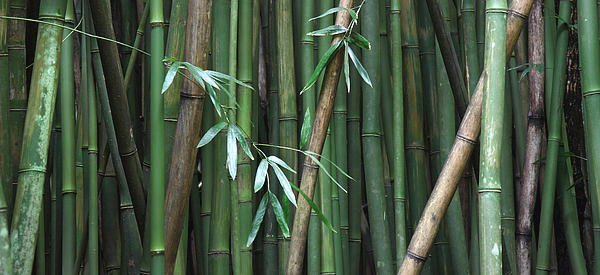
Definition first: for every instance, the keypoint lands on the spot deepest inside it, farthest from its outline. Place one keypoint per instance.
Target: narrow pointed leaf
(222, 76)
(231, 153)
(359, 67)
(321, 65)
(357, 39)
(281, 163)
(314, 206)
(258, 218)
(281, 219)
(170, 76)
(346, 68)
(329, 30)
(285, 184)
(241, 137)
(211, 133)
(334, 10)
(261, 175)
(306, 129)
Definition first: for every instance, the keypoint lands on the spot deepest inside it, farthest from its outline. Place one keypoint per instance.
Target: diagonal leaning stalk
(315, 144)
(458, 158)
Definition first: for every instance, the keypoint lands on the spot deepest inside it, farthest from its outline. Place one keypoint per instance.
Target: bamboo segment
(93, 255)
(371, 141)
(36, 137)
(315, 144)
(554, 139)
(398, 160)
(458, 157)
(5, 158)
(535, 131)
(114, 79)
(469, 43)
(589, 57)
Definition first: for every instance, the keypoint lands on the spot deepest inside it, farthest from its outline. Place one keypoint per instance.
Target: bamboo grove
(299, 137)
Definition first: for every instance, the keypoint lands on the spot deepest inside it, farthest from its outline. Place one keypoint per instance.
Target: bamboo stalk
(398, 160)
(5, 146)
(93, 256)
(507, 199)
(469, 43)
(554, 139)
(38, 122)
(111, 233)
(315, 144)
(114, 79)
(458, 157)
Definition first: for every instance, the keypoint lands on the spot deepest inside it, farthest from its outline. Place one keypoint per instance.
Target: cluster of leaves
(213, 82)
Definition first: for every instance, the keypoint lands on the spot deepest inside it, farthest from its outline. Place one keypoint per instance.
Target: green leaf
(346, 68)
(231, 153)
(334, 10)
(170, 76)
(306, 129)
(281, 163)
(321, 65)
(329, 30)
(211, 133)
(258, 218)
(278, 211)
(357, 39)
(215, 100)
(322, 168)
(241, 137)
(261, 175)
(285, 184)
(314, 207)
(359, 67)
(219, 75)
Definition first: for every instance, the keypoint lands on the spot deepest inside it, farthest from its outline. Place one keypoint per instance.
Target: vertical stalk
(492, 127)
(93, 256)
(36, 137)
(5, 158)
(507, 200)
(469, 43)
(371, 141)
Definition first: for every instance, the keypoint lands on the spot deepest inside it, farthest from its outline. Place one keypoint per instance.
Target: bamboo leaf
(241, 137)
(222, 76)
(359, 67)
(215, 100)
(281, 219)
(329, 30)
(285, 184)
(357, 39)
(261, 175)
(231, 153)
(170, 76)
(326, 172)
(321, 65)
(316, 208)
(334, 10)
(306, 129)
(281, 163)
(211, 133)
(258, 218)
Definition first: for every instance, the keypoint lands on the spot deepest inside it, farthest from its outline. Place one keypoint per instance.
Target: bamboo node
(170, 119)
(288, 118)
(394, 11)
(39, 169)
(415, 147)
(415, 257)
(516, 13)
(371, 135)
(589, 93)
(192, 96)
(489, 190)
(17, 110)
(466, 139)
(543, 268)
(130, 153)
(157, 252)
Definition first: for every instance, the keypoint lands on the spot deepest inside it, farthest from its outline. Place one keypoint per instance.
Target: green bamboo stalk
(469, 43)
(93, 256)
(56, 210)
(480, 28)
(588, 29)
(398, 160)
(550, 33)
(219, 246)
(507, 199)
(315, 144)
(492, 127)
(67, 121)
(5, 146)
(288, 120)
(413, 104)
(371, 141)
(38, 122)
(40, 248)
(111, 233)
(136, 44)
(474, 254)
(554, 138)
(18, 89)
(5, 255)
(114, 76)
(174, 50)
(446, 118)
(157, 135)
(568, 207)
(335, 199)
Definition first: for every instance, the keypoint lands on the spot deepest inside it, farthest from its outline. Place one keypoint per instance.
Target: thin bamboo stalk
(507, 199)
(5, 146)
(469, 43)
(111, 233)
(38, 123)
(458, 157)
(315, 144)
(371, 141)
(93, 256)
(398, 160)
(554, 139)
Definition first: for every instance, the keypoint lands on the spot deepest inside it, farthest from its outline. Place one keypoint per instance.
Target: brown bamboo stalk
(187, 134)
(465, 142)
(315, 144)
(534, 140)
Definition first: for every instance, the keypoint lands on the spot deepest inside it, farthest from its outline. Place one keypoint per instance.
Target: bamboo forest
(298, 137)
